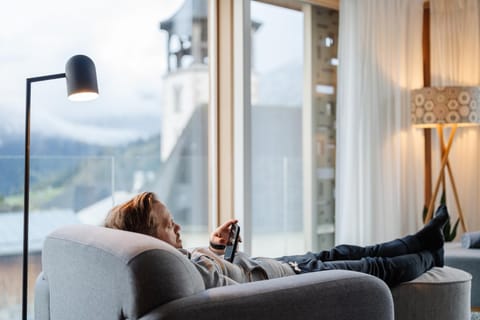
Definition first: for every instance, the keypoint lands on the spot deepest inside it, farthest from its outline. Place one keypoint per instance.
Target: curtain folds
(455, 60)
(379, 175)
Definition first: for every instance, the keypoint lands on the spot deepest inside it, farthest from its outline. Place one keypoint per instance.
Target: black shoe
(439, 257)
(431, 236)
(440, 217)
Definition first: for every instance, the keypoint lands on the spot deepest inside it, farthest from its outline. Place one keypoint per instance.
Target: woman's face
(167, 230)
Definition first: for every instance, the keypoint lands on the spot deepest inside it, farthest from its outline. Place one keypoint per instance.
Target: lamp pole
(27, 186)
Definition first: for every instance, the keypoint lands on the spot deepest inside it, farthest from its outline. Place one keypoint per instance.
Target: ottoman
(439, 294)
(467, 260)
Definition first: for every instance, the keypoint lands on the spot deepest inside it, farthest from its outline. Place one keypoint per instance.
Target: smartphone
(232, 244)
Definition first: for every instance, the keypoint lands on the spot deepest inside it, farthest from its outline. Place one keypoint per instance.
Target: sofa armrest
(326, 295)
(42, 298)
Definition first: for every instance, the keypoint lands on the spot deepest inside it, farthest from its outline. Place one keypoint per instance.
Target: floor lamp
(81, 80)
(440, 107)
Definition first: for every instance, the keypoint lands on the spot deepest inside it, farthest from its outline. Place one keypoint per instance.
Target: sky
(125, 42)
(281, 31)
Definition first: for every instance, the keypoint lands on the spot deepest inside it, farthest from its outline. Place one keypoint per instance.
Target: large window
(147, 130)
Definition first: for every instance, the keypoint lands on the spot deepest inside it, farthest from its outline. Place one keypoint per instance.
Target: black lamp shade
(81, 78)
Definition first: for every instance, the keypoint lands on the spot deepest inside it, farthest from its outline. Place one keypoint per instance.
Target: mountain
(43, 151)
(76, 172)
(14, 145)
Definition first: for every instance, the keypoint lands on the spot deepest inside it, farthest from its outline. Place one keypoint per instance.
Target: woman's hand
(220, 237)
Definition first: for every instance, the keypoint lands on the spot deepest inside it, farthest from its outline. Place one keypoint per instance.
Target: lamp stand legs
(441, 176)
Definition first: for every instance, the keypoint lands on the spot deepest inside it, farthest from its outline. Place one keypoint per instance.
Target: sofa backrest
(100, 273)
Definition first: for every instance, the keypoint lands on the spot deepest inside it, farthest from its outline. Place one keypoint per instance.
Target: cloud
(122, 37)
(94, 134)
(280, 31)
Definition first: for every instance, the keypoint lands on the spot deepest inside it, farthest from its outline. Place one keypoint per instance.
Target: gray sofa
(97, 273)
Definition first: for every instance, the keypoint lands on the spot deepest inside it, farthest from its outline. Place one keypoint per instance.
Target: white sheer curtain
(455, 60)
(379, 178)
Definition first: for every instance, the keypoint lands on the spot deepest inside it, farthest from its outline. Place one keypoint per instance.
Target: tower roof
(181, 22)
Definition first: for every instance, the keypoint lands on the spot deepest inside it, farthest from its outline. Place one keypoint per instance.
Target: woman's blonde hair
(135, 215)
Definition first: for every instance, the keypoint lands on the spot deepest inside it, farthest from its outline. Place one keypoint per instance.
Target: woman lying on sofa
(394, 262)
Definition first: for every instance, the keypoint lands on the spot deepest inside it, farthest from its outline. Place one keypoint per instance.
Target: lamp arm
(48, 77)
(26, 191)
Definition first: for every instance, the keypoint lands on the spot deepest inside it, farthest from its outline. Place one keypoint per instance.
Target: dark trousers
(394, 262)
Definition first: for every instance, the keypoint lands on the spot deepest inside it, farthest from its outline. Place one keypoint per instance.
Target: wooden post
(427, 132)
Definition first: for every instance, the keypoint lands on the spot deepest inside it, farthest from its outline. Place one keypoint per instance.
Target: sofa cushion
(93, 267)
(325, 295)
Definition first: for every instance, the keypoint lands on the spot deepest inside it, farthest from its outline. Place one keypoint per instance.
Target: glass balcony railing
(277, 210)
(68, 190)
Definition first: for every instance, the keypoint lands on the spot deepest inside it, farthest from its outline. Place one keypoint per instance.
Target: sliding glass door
(292, 126)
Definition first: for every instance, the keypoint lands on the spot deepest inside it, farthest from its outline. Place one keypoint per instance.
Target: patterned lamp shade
(431, 106)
